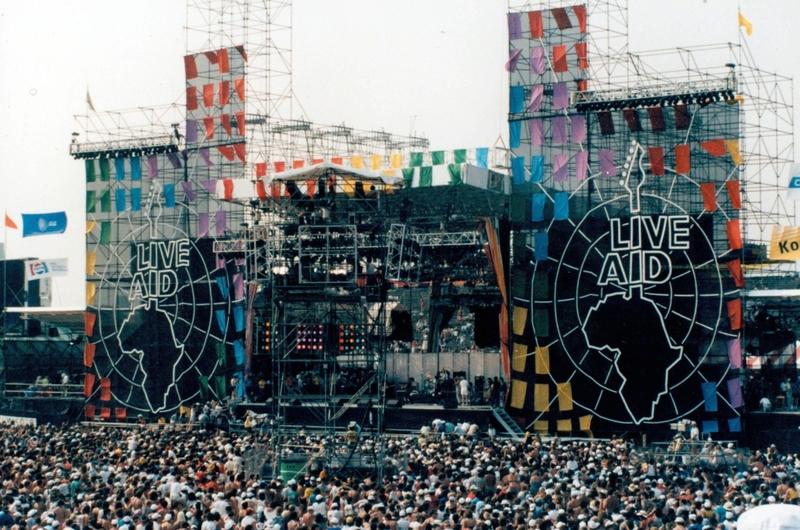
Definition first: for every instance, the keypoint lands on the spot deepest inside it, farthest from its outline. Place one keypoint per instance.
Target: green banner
(408, 176)
(219, 382)
(437, 158)
(105, 233)
(91, 199)
(222, 357)
(415, 160)
(203, 388)
(90, 176)
(425, 177)
(460, 156)
(105, 170)
(105, 201)
(455, 174)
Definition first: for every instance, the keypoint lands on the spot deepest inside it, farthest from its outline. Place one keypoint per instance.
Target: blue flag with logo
(42, 224)
(794, 183)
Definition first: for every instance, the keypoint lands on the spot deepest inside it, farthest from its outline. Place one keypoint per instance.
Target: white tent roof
(329, 168)
(770, 517)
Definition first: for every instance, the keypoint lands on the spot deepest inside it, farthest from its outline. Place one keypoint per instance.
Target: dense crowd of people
(172, 477)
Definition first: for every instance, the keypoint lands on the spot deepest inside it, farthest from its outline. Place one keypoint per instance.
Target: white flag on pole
(44, 268)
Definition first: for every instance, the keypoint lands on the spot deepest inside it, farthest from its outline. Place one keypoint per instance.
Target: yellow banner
(91, 289)
(733, 150)
(518, 357)
(518, 391)
(542, 357)
(541, 398)
(564, 391)
(520, 316)
(785, 243)
(396, 160)
(564, 425)
(540, 426)
(375, 162)
(91, 261)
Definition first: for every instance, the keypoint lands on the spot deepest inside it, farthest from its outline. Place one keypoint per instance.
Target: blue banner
(561, 208)
(482, 157)
(537, 207)
(40, 224)
(540, 246)
(710, 396)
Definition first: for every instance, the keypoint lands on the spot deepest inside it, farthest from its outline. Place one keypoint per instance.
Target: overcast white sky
(370, 64)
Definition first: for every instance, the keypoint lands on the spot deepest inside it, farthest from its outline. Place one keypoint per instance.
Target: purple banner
(174, 160)
(152, 166)
(239, 262)
(560, 96)
(735, 393)
(578, 128)
(537, 91)
(206, 157)
(537, 61)
(220, 260)
(581, 164)
(209, 185)
(607, 167)
(513, 57)
(187, 189)
(735, 353)
(191, 131)
(221, 222)
(560, 167)
(559, 130)
(537, 131)
(514, 26)
(202, 225)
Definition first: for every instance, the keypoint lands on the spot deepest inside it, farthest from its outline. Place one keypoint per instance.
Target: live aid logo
(156, 264)
(639, 249)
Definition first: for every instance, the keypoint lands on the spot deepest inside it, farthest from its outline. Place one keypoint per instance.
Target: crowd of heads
(77, 477)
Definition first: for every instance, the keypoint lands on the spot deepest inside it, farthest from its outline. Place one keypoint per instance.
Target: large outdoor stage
(596, 272)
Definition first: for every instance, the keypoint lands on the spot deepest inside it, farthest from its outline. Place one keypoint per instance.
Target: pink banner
(559, 125)
(513, 57)
(152, 166)
(560, 96)
(607, 167)
(537, 61)
(560, 167)
(735, 353)
(536, 126)
(578, 122)
(581, 164)
(221, 222)
(537, 91)
(735, 393)
(238, 286)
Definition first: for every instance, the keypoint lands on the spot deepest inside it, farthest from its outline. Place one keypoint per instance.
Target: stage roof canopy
(328, 168)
